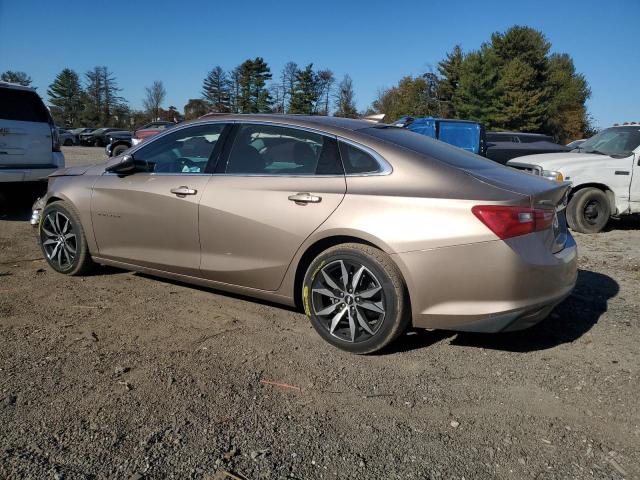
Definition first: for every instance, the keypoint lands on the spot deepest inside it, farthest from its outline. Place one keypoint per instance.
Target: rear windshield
(429, 147)
(22, 105)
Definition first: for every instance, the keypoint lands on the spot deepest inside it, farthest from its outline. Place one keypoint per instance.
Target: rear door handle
(305, 198)
(182, 191)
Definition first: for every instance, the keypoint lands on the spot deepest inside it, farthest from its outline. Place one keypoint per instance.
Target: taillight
(55, 139)
(507, 222)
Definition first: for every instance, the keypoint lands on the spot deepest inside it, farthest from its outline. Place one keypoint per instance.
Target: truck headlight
(553, 175)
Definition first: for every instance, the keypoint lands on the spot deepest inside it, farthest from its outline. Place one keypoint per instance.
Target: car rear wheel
(355, 298)
(588, 210)
(62, 240)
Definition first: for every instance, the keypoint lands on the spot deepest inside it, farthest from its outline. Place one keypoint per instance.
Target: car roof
(15, 86)
(328, 124)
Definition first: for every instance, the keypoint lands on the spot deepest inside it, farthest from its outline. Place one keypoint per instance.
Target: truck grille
(531, 169)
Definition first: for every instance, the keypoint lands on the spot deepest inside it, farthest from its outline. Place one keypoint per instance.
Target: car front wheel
(355, 298)
(62, 240)
(588, 210)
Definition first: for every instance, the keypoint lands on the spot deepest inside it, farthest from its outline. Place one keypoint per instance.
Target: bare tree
(345, 99)
(155, 95)
(325, 80)
(287, 81)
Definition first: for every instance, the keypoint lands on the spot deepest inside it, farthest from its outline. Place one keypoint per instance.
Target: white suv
(604, 172)
(29, 147)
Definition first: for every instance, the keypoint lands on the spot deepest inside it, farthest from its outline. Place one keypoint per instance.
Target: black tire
(118, 150)
(348, 332)
(68, 142)
(97, 143)
(63, 260)
(588, 210)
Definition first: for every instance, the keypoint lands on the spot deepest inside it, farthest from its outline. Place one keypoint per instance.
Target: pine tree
(253, 95)
(567, 116)
(20, 78)
(216, 90)
(449, 70)
(101, 97)
(345, 99)
(305, 92)
(65, 97)
(93, 97)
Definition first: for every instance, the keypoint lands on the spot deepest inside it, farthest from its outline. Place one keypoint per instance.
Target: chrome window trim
(158, 136)
(385, 167)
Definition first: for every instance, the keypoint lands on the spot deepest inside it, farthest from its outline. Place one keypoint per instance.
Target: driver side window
(183, 151)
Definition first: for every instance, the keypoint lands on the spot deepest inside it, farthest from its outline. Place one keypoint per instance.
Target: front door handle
(182, 191)
(305, 198)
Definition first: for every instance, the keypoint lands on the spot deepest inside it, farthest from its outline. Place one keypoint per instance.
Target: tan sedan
(367, 227)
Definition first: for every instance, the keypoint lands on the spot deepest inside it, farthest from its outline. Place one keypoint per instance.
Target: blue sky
(376, 42)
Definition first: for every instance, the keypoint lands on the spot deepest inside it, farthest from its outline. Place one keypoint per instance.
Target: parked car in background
(469, 136)
(368, 228)
(150, 129)
(119, 142)
(97, 137)
(518, 137)
(76, 132)
(65, 137)
(503, 146)
(575, 144)
(29, 145)
(604, 172)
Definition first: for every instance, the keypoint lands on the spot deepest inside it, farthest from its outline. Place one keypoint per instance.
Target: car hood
(70, 171)
(558, 161)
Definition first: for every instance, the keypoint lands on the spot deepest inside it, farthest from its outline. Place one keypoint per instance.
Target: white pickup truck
(604, 172)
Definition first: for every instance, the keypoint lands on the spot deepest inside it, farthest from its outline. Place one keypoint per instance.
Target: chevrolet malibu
(368, 228)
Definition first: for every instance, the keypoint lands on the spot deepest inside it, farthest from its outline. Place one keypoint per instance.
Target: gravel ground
(121, 375)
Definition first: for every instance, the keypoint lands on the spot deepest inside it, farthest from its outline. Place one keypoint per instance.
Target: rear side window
(275, 150)
(429, 147)
(356, 160)
(22, 105)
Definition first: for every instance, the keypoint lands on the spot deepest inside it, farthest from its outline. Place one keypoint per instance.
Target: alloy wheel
(59, 240)
(349, 300)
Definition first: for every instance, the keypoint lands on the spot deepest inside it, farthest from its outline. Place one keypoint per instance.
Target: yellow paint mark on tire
(305, 297)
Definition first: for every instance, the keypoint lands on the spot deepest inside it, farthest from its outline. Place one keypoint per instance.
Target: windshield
(616, 141)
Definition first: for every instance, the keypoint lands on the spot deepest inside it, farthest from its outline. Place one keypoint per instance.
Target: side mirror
(125, 166)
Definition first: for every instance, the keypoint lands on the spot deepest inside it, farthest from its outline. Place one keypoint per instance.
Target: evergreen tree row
(512, 82)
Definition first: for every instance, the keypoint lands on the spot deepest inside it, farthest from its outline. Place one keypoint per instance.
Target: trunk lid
(543, 193)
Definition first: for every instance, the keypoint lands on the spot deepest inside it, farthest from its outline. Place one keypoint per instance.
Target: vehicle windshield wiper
(595, 151)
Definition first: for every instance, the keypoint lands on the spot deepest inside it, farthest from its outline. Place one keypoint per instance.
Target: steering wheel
(182, 162)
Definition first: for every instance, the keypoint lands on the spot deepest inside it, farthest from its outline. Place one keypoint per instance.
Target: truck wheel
(588, 211)
(118, 149)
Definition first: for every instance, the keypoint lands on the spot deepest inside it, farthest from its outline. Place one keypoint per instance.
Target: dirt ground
(121, 375)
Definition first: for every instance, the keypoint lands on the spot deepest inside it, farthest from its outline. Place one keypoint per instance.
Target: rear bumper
(490, 286)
